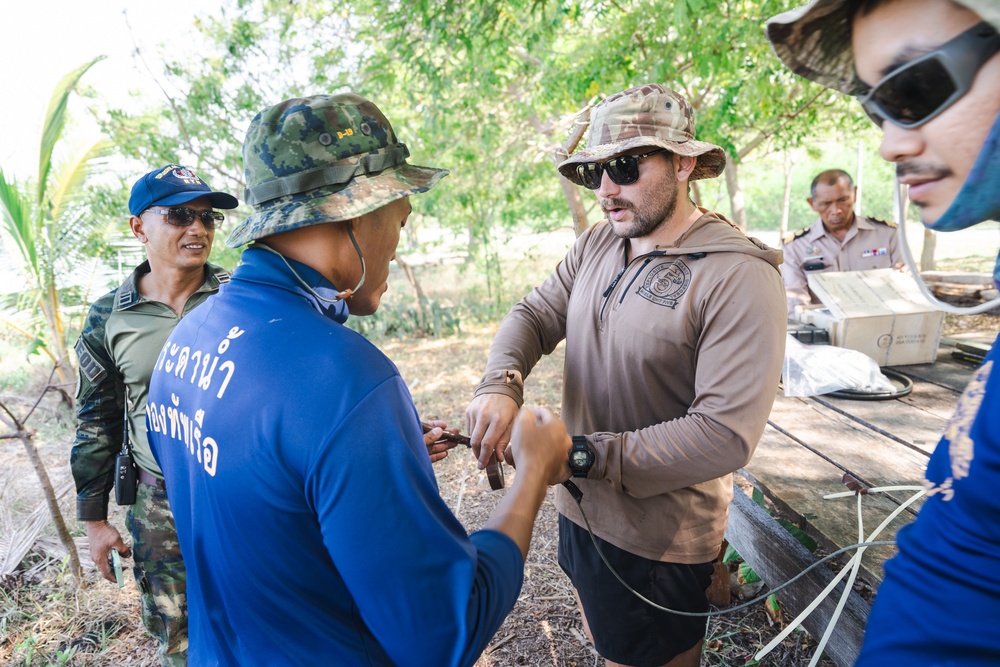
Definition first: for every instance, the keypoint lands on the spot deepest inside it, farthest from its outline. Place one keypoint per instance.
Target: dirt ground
(46, 620)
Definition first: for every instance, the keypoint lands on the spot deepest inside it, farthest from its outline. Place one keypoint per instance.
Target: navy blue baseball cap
(173, 184)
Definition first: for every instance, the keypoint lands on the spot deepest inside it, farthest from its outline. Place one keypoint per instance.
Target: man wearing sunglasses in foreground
(674, 323)
(928, 73)
(172, 216)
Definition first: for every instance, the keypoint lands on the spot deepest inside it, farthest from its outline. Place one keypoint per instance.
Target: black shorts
(626, 629)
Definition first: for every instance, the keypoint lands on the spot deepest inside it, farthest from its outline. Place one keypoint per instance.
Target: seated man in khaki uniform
(838, 241)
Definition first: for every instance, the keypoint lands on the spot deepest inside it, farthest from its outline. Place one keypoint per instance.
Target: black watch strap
(581, 456)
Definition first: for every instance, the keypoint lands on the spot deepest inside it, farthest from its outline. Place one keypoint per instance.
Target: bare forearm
(515, 516)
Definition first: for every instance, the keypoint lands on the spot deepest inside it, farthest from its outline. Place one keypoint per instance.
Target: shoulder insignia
(794, 235)
(89, 366)
(887, 223)
(220, 274)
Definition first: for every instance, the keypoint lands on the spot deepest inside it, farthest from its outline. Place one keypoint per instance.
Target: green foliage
(488, 90)
(45, 220)
(405, 319)
(745, 573)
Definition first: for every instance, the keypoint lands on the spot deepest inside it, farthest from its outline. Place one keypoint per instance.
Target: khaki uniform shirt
(869, 244)
(119, 345)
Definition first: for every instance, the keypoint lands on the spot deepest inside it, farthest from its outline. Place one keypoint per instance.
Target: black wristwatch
(581, 456)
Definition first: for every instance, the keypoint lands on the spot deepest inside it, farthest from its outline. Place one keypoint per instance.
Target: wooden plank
(906, 422)
(932, 399)
(960, 277)
(796, 480)
(777, 557)
(870, 457)
(946, 372)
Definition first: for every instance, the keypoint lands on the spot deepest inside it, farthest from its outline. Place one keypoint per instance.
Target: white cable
(848, 587)
(908, 256)
(874, 489)
(826, 591)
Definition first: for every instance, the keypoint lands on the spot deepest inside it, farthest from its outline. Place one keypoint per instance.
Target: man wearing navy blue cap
(173, 216)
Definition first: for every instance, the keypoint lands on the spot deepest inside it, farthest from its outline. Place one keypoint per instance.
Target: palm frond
(69, 177)
(18, 221)
(55, 120)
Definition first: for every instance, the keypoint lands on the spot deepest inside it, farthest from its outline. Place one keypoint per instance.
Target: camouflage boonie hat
(814, 40)
(322, 159)
(647, 115)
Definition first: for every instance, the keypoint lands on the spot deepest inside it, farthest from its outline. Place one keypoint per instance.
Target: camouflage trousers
(159, 573)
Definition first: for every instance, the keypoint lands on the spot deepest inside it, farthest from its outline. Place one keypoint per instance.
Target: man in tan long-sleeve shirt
(674, 327)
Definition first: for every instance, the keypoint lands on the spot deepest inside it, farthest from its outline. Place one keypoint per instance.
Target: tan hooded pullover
(672, 365)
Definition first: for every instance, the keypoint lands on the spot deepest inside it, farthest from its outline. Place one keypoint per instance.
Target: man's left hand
(437, 450)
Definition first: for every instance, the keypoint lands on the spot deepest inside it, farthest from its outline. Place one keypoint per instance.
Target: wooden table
(807, 447)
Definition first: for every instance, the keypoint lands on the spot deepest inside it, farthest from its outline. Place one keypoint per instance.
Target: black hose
(905, 387)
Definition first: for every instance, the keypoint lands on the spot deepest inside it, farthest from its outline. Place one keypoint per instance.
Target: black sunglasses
(182, 216)
(923, 88)
(622, 170)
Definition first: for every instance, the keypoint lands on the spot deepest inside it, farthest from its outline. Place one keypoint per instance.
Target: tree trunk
(858, 178)
(736, 200)
(927, 262)
(50, 499)
(26, 438)
(575, 203)
(786, 198)
(696, 193)
(572, 193)
(411, 278)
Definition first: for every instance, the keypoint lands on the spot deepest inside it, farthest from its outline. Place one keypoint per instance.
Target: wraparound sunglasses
(923, 88)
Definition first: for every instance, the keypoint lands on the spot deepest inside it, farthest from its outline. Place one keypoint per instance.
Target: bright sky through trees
(41, 41)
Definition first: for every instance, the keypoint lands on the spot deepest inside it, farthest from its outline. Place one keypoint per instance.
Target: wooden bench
(807, 447)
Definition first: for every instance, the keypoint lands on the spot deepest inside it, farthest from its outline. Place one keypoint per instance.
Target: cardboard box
(879, 312)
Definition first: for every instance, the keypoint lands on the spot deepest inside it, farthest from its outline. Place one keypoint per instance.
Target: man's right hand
(489, 420)
(540, 442)
(104, 537)
(541, 446)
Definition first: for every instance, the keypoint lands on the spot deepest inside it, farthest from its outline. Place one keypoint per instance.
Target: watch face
(579, 459)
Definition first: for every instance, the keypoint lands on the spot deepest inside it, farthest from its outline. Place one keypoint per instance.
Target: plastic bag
(810, 370)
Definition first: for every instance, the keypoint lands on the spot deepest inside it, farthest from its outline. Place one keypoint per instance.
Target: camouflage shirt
(117, 349)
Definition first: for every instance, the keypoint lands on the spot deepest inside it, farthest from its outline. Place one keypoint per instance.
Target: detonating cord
(577, 494)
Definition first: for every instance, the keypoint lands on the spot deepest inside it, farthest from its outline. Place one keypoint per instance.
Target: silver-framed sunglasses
(182, 216)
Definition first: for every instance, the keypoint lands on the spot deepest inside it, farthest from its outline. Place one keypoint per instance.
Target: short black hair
(831, 177)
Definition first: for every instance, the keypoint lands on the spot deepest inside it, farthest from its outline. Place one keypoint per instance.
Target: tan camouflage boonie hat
(814, 40)
(647, 115)
(322, 159)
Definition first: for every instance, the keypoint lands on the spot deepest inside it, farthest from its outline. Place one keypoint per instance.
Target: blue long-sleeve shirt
(940, 600)
(308, 514)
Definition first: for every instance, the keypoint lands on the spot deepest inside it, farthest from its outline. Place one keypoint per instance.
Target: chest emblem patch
(666, 283)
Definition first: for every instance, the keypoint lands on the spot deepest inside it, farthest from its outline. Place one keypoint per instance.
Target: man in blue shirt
(308, 514)
(927, 72)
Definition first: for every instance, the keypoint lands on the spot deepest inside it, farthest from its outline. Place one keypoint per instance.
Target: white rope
(829, 588)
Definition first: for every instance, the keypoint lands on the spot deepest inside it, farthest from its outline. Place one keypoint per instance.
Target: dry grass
(45, 619)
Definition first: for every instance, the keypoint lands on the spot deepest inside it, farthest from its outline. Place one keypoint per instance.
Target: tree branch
(173, 105)
(763, 136)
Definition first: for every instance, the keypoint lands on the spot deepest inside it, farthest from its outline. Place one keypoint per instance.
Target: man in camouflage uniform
(674, 328)
(838, 241)
(172, 216)
(312, 526)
